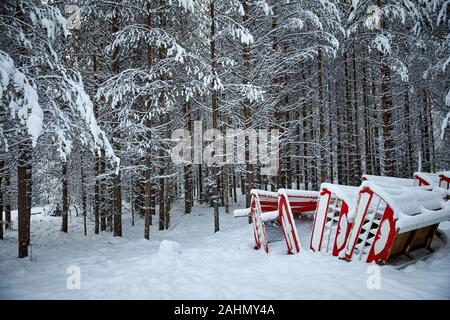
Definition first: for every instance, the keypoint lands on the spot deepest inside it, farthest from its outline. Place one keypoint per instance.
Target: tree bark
(97, 159)
(247, 112)
(214, 93)
(83, 193)
(306, 162)
(29, 172)
(65, 198)
(2, 165)
(349, 146)
(164, 210)
(367, 132)
(22, 200)
(323, 175)
(409, 147)
(386, 103)
(117, 186)
(8, 223)
(226, 171)
(148, 182)
(104, 203)
(355, 119)
(188, 192)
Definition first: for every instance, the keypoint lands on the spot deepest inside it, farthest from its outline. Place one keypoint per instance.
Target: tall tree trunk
(349, 146)
(226, 171)
(97, 159)
(188, 192)
(234, 186)
(117, 186)
(2, 165)
(29, 191)
(367, 132)
(8, 223)
(355, 119)
(430, 127)
(167, 205)
(376, 147)
(426, 154)
(22, 199)
(306, 162)
(276, 86)
(164, 209)
(409, 147)
(65, 198)
(330, 133)
(247, 112)
(83, 193)
(323, 175)
(24, 167)
(148, 182)
(298, 152)
(214, 94)
(200, 183)
(104, 193)
(386, 103)
(162, 189)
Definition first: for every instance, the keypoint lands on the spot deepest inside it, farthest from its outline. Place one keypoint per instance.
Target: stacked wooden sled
(382, 219)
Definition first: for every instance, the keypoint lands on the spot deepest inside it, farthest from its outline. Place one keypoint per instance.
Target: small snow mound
(169, 247)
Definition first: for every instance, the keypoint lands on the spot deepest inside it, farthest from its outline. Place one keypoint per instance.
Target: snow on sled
(263, 208)
(404, 182)
(292, 202)
(273, 215)
(392, 220)
(434, 181)
(444, 182)
(331, 222)
(424, 179)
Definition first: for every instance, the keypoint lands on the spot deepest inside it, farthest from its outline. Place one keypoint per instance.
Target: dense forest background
(91, 92)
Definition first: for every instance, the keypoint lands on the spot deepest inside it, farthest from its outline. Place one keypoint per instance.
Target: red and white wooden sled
(279, 206)
(436, 181)
(404, 182)
(263, 208)
(444, 182)
(391, 220)
(425, 179)
(296, 202)
(331, 222)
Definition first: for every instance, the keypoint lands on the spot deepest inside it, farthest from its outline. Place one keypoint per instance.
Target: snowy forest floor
(207, 266)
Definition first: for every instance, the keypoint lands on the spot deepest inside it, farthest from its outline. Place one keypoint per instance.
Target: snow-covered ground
(199, 265)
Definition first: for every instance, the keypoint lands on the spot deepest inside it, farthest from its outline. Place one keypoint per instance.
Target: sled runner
(436, 181)
(331, 222)
(424, 179)
(389, 180)
(444, 182)
(292, 202)
(270, 209)
(391, 220)
(262, 202)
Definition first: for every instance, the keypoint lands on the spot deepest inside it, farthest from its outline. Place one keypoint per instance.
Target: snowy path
(209, 266)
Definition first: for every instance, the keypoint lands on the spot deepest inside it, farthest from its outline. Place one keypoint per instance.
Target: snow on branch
(252, 93)
(382, 43)
(82, 106)
(20, 94)
(442, 16)
(187, 5)
(50, 18)
(446, 121)
(133, 36)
